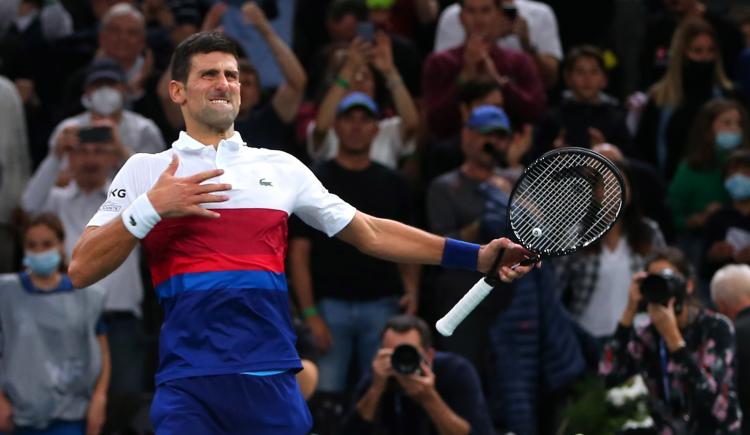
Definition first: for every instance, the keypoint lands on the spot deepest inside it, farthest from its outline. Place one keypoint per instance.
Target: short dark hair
(674, 257)
(583, 52)
(49, 220)
(404, 323)
(199, 43)
(474, 90)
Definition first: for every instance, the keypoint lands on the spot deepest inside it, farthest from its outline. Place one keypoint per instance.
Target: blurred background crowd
(423, 111)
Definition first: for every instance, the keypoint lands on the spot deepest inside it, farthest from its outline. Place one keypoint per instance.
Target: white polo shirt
(543, 32)
(221, 281)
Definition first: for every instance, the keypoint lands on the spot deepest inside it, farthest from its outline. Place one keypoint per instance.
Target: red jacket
(524, 95)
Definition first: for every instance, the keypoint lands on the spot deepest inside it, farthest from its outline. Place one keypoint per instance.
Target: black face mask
(500, 157)
(697, 75)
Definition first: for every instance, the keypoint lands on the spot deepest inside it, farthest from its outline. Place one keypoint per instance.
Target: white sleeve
(130, 182)
(450, 32)
(545, 36)
(317, 207)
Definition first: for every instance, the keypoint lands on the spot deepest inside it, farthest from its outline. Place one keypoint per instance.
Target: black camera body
(660, 288)
(406, 359)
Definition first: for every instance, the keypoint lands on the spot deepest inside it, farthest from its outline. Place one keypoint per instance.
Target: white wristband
(140, 217)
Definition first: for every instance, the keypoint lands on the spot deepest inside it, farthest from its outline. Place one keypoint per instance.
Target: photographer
(684, 352)
(415, 390)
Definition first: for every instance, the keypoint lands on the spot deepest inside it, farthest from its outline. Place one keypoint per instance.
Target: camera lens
(405, 359)
(659, 288)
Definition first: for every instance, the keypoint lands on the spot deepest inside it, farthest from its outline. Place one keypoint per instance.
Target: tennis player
(211, 214)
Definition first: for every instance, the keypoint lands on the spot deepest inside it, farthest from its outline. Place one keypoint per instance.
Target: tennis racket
(565, 200)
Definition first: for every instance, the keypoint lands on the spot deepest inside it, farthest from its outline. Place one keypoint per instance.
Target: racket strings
(566, 203)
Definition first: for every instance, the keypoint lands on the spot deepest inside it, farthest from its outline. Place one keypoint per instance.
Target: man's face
(473, 145)
(482, 17)
(89, 164)
(586, 79)
(393, 339)
(211, 96)
(123, 39)
(356, 130)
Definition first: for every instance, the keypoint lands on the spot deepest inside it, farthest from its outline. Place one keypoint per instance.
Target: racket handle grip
(466, 305)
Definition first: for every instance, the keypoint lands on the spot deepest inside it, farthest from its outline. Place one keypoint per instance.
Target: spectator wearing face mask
(694, 76)
(698, 188)
(55, 356)
(104, 98)
(723, 233)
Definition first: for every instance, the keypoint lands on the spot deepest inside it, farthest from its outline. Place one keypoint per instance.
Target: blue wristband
(460, 255)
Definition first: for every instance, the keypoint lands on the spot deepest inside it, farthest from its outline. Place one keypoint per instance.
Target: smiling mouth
(219, 101)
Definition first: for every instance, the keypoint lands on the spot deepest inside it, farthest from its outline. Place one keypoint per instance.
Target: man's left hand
(420, 387)
(514, 254)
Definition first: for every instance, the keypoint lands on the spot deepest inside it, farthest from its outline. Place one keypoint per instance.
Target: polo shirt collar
(186, 143)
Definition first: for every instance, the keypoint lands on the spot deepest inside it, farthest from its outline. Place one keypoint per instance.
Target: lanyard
(664, 375)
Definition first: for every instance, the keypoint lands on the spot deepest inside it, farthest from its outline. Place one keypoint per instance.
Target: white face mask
(104, 101)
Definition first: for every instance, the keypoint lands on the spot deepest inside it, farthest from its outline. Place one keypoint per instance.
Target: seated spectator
(479, 58)
(530, 26)
(695, 75)
(725, 232)
(586, 116)
(440, 394)
(730, 291)
(684, 352)
(396, 134)
(104, 99)
(55, 357)
(697, 190)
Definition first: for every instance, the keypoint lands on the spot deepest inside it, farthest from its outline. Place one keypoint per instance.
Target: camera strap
(663, 361)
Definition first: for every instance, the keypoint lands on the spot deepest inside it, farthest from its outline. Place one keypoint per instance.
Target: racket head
(565, 200)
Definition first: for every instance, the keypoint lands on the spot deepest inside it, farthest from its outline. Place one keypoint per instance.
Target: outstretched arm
(393, 241)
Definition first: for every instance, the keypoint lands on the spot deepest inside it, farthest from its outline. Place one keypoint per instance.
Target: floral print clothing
(700, 395)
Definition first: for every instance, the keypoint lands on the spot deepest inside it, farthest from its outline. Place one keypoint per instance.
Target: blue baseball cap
(489, 119)
(104, 69)
(358, 100)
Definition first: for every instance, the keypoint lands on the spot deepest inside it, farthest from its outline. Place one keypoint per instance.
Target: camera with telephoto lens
(660, 288)
(406, 359)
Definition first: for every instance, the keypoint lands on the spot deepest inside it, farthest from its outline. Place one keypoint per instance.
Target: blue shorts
(233, 404)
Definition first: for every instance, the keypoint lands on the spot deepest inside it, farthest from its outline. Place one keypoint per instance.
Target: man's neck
(475, 171)
(115, 117)
(353, 162)
(208, 136)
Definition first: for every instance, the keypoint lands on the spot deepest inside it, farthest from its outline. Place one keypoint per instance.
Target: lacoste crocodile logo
(263, 182)
(132, 221)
